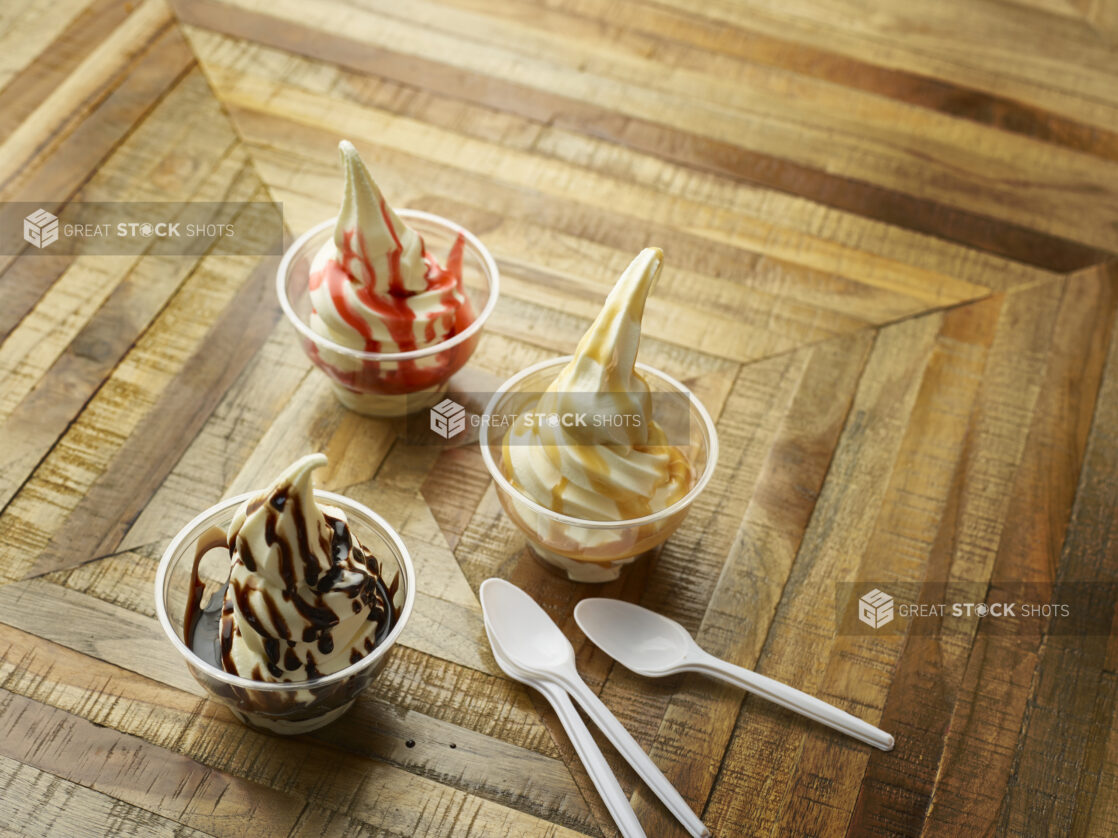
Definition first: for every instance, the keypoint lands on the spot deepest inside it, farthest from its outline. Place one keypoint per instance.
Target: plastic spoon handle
(596, 766)
(628, 747)
(795, 700)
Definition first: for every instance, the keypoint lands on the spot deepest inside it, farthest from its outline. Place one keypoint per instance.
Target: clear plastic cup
(285, 708)
(368, 382)
(589, 550)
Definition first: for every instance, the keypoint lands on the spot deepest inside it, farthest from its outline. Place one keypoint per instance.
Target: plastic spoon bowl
(532, 643)
(653, 645)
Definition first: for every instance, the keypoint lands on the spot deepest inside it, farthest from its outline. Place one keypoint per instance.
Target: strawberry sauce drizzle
(393, 310)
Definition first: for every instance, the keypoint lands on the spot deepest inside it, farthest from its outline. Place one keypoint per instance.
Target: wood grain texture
(43, 804)
(890, 277)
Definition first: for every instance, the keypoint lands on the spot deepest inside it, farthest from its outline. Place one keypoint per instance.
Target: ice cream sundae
(304, 598)
(385, 318)
(590, 447)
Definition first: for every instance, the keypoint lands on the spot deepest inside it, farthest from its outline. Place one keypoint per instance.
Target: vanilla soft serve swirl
(616, 466)
(304, 598)
(374, 287)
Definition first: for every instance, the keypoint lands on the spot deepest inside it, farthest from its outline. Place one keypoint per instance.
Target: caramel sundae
(590, 447)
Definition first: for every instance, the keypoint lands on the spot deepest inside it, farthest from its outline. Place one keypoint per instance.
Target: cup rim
(487, 260)
(188, 654)
(586, 523)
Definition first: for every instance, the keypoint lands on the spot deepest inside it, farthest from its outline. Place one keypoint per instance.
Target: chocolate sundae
(304, 599)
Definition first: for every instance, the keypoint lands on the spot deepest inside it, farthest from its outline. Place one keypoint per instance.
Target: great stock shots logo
(448, 418)
(875, 609)
(1016, 609)
(583, 418)
(40, 228)
(142, 228)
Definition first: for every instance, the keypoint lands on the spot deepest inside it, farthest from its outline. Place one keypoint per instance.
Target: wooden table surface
(889, 231)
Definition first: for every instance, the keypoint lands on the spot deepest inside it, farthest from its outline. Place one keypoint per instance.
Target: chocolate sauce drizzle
(210, 631)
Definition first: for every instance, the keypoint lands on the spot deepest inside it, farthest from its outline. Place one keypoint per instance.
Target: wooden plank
(479, 764)
(96, 629)
(131, 770)
(1100, 816)
(83, 454)
(723, 317)
(720, 81)
(27, 30)
(24, 91)
(44, 805)
(76, 158)
(1074, 696)
(763, 753)
(492, 705)
(484, 767)
(1101, 16)
(452, 107)
(453, 489)
(235, 68)
(243, 84)
(894, 789)
(172, 786)
(754, 140)
(759, 543)
(1064, 67)
(125, 579)
(897, 786)
(644, 27)
(903, 537)
(131, 478)
(980, 745)
(90, 82)
(406, 150)
(193, 746)
(80, 329)
(90, 289)
(203, 474)
(23, 283)
(590, 244)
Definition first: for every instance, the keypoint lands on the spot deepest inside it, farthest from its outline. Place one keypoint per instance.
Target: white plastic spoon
(535, 645)
(596, 766)
(653, 645)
